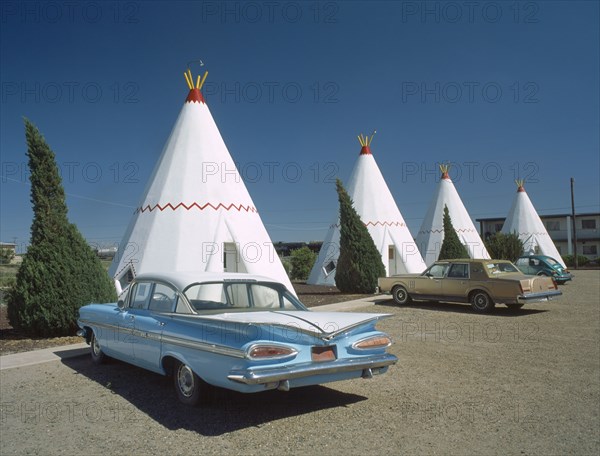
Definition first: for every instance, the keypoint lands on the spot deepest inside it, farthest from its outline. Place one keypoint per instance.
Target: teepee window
(126, 278)
(391, 250)
(329, 267)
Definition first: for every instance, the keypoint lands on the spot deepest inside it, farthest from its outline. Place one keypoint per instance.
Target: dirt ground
(511, 382)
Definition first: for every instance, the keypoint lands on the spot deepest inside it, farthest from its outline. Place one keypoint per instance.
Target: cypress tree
(359, 264)
(60, 272)
(451, 247)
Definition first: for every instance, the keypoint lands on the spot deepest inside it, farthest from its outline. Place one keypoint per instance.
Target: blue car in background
(544, 266)
(236, 331)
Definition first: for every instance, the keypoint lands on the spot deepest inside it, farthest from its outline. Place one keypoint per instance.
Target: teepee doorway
(392, 270)
(231, 258)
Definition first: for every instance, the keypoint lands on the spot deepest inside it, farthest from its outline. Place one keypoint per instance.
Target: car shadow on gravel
(153, 395)
(499, 311)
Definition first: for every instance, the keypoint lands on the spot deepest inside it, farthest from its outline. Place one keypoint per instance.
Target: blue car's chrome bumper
(368, 365)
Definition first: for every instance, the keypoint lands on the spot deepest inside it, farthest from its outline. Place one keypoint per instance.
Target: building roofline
(583, 214)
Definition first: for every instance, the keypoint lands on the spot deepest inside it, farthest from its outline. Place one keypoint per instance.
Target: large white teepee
(378, 211)
(525, 221)
(196, 214)
(431, 234)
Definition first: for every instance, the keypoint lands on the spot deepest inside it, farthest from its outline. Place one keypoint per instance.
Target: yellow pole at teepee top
(201, 83)
(189, 82)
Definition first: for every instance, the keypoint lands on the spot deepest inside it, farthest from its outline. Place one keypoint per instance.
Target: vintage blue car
(232, 330)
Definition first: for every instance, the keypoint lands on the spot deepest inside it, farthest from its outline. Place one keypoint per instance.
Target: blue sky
(501, 89)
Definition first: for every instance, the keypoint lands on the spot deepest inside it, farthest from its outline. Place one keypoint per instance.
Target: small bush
(302, 262)
(287, 265)
(6, 255)
(570, 260)
(502, 246)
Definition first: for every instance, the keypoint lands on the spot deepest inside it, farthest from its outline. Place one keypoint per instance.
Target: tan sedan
(483, 283)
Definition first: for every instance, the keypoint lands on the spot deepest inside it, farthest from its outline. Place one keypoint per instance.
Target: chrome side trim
(204, 346)
(252, 376)
(106, 325)
(187, 343)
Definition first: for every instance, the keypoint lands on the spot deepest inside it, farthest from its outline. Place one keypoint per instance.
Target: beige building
(560, 229)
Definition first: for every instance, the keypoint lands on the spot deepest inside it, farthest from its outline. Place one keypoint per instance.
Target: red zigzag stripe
(375, 224)
(460, 230)
(238, 207)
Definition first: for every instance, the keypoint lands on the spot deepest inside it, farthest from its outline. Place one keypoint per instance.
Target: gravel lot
(513, 382)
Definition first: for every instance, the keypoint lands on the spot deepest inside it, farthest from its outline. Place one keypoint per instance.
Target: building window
(590, 249)
(552, 225)
(498, 227)
(588, 224)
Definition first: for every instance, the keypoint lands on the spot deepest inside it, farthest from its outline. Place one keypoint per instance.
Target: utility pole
(574, 224)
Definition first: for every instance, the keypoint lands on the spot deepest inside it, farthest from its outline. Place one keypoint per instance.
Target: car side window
(141, 295)
(522, 262)
(163, 299)
(459, 271)
(477, 271)
(438, 270)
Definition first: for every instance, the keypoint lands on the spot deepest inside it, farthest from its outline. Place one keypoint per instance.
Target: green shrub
(60, 272)
(451, 246)
(287, 265)
(502, 246)
(570, 260)
(359, 264)
(6, 255)
(302, 262)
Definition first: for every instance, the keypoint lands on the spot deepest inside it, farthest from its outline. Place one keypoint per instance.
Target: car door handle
(161, 323)
(131, 317)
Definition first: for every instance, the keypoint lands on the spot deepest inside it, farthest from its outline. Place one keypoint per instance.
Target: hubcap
(480, 301)
(96, 347)
(185, 380)
(400, 295)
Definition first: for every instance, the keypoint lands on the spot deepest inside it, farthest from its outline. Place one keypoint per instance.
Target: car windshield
(240, 296)
(500, 268)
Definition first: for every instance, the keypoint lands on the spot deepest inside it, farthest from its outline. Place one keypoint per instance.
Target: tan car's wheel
(401, 296)
(481, 302)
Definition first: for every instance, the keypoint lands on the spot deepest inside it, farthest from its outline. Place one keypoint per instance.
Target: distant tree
(451, 247)
(502, 246)
(359, 264)
(302, 262)
(60, 271)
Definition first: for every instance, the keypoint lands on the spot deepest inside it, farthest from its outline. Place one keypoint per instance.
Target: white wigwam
(378, 211)
(431, 235)
(196, 214)
(525, 221)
